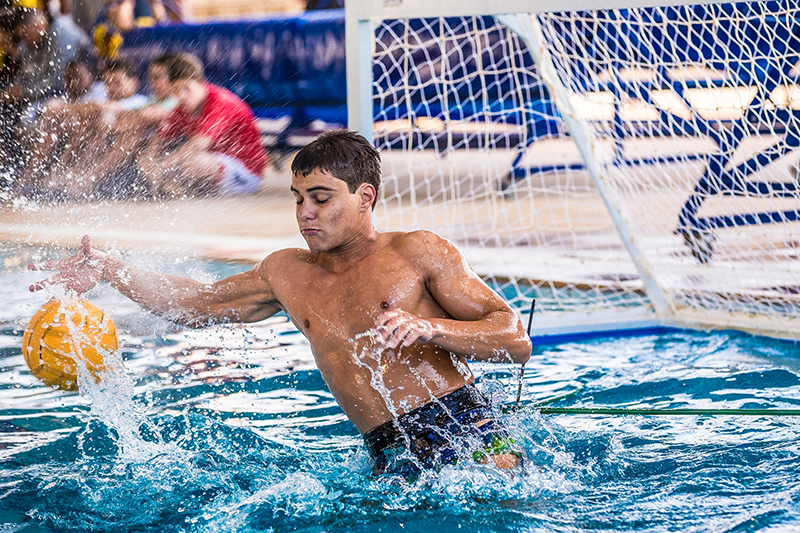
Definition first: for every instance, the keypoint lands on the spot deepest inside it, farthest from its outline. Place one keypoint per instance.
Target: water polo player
(391, 317)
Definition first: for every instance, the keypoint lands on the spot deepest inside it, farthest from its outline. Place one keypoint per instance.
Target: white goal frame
(362, 19)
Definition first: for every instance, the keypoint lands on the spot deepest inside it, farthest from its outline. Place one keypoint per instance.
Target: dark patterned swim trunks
(431, 436)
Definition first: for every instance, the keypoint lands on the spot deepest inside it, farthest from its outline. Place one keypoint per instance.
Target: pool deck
(234, 229)
(247, 229)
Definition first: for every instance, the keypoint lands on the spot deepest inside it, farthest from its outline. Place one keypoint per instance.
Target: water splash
(214, 459)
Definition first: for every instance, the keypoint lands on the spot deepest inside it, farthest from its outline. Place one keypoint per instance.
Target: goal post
(626, 164)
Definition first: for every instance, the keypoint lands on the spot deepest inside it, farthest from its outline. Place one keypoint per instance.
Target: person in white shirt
(115, 170)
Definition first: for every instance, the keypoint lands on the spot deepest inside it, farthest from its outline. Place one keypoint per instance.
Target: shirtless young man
(391, 317)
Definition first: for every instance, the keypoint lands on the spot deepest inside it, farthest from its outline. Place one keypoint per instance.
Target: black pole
(522, 368)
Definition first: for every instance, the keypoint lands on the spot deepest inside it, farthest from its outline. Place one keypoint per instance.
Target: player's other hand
(398, 328)
(78, 273)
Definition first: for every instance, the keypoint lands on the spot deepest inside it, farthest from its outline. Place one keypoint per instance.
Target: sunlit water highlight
(232, 429)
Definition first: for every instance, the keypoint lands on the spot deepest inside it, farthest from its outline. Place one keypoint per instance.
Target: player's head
(335, 180)
(32, 25)
(343, 154)
(121, 79)
(78, 78)
(158, 76)
(188, 81)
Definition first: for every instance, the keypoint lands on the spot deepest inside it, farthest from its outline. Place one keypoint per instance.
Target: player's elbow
(520, 349)
(515, 341)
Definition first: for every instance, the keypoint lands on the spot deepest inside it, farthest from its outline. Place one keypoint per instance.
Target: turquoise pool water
(232, 429)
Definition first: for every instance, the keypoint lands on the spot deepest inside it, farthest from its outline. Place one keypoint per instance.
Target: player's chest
(320, 301)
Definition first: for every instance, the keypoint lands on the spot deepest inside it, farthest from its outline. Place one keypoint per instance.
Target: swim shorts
(430, 436)
(235, 178)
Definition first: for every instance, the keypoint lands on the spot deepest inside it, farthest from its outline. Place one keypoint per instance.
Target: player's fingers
(46, 283)
(86, 245)
(411, 338)
(384, 332)
(395, 325)
(386, 316)
(47, 265)
(382, 325)
(400, 334)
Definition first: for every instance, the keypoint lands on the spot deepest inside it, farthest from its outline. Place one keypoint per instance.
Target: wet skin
(390, 317)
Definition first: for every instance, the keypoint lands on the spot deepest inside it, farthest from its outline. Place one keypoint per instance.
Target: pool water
(232, 429)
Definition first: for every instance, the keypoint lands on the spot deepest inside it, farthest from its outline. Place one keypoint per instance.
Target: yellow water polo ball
(61, 331)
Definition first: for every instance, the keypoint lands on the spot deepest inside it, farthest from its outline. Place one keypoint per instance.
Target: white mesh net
(686, 116)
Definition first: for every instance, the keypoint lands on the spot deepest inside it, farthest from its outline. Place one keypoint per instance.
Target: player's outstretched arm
(245, 297)
(483, 327)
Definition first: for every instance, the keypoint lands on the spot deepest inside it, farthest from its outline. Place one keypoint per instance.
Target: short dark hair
(185, 67)
(8, 18)
(82, 61)
(343, 154)
(27, 15)
(123, 65)
(164, 59)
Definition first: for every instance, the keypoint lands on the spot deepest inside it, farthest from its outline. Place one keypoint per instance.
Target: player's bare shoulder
(426, 249)
(282, 263)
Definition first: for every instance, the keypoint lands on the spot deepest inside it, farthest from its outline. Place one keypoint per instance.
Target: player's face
(158, 79)
(119, 85)
(328, 214)
(191, 94)
(77, 80)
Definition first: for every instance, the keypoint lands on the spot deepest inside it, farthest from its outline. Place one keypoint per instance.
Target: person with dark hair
(90, 130)
(57, 119)
(10, 149)
(114, 170)
(81, 84)
(391, 317)
(8, 46)
(208, 145)
(46, 45)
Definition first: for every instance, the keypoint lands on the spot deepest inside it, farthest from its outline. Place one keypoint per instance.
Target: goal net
(626, 167)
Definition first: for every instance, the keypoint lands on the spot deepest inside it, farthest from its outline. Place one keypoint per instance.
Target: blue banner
(278, 65)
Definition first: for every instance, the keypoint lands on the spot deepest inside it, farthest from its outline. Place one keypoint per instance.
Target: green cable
(665, 412)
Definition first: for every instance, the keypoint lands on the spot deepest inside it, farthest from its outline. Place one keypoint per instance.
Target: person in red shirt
(208, 145)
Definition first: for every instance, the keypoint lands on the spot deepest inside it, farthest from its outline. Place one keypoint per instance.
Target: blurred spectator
(88, 129)
(81, 85)
(10, 151)
(60, 117)
(8, 46)
(118, 17)
(208, 145)
(159, 11)
(115, 169)
(46, 45)
(115, 18)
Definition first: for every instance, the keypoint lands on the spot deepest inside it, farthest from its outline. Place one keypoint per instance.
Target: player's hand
(398, 328)
(78, 273)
